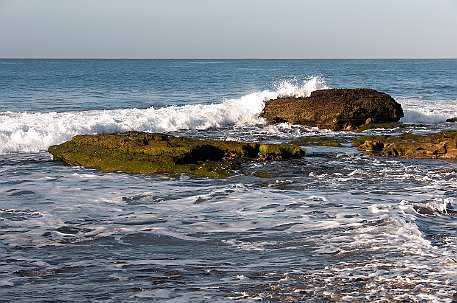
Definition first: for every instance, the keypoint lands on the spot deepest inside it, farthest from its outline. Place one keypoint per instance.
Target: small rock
(371, 146)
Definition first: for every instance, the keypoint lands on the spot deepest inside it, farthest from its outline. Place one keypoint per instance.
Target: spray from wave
(34, 132)
(293, 88)
(417, 110)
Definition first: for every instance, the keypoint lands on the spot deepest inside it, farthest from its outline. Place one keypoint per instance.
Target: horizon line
(196, 58)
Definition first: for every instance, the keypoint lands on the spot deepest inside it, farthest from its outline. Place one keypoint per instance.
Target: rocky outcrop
(441, 145)
(336, 109)
(139, 152)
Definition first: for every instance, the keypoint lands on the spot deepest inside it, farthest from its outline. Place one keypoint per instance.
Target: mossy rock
(318, 141)
(442, 145)
(280, 151)
(146, 153)
(362, 139)
(371, 146)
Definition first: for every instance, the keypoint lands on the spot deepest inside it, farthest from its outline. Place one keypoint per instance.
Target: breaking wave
(417, 110)
(34, 132)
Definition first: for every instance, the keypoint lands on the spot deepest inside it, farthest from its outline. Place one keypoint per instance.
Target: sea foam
(417, 110)
(34, 132)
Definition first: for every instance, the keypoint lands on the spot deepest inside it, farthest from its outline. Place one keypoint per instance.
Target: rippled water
(334, 226)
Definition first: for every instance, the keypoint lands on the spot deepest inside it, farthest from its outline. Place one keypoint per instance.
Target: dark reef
(336, 109)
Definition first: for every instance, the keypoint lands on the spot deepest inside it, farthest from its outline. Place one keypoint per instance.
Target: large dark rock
(337, 109)
(146, 153)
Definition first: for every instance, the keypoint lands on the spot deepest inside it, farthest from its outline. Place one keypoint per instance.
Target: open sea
(334, 226)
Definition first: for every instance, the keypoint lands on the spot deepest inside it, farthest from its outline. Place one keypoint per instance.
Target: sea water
(334, 226)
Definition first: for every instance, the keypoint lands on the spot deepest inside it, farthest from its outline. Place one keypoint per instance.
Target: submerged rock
(336, 109)
(442, 145)
(452, 120)
(388, 125)
(139, 152)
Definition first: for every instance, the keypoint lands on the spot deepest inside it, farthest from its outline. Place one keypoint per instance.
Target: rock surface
(336, 109)
(441, 145)
(139, 152)
(318, 141)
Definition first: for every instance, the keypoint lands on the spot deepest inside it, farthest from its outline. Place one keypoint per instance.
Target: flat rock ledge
(442, 145)
(148, 153)
(336, 109)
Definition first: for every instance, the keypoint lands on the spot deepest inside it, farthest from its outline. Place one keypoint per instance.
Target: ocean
(334, 226)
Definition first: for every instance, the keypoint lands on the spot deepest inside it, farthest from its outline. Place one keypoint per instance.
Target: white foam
(295, 89)
(34, 132)
(417, 110)
(416, 116)
(246, 246)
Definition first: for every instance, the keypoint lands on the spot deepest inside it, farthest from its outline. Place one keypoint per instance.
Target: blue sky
(228, 28)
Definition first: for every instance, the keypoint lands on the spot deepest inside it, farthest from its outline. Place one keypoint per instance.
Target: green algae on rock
(139, 152)
(442, 145)
(318, 141)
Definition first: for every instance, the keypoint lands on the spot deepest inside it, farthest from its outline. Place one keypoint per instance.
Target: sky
(228, 29)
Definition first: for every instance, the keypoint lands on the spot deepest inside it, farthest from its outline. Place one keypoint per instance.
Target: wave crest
(34, 132)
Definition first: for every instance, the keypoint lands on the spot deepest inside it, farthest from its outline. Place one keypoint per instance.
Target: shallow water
(334, 226)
